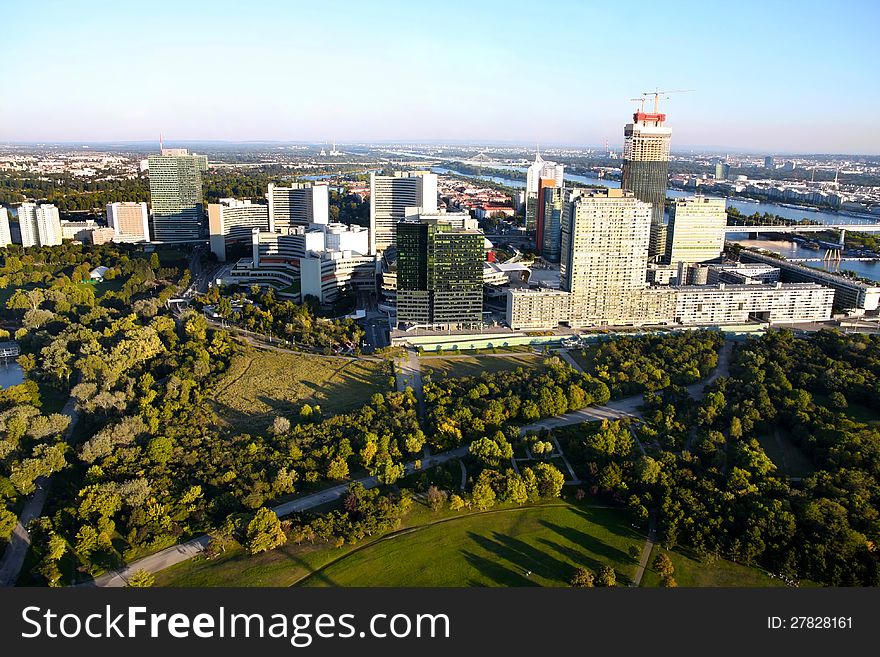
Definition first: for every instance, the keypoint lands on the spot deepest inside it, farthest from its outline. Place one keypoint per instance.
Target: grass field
(494, 548)
(690, 572)
(263, 384)
(457, 366)
(786, 455)
(105, 286)
(497, 548)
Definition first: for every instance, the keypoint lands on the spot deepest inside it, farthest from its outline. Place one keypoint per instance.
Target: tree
(264, 532)
(663, 565)
(436, 498)
(8, 521)
(456, 502)
(582, 578)
(606, 576)
(154, 260)
(549, 479)
(838, 400)
(280, 426)
(142, 578)
(483, 495)
(668, 582)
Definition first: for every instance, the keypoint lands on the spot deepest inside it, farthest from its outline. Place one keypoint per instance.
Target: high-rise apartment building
(232, 220)
(439, 275)
(40, 224)
(5, 233)
(646, 168)
(769, 163)
(540, 174)
(130, 222)
(390, 196)
(696, 230)
(722, 171)
(298, 205)
(604, 255)
(549, 234)
(176, 195)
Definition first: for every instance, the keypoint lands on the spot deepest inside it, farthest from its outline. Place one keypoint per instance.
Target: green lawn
(106, 286)
(691, 572)
(785, 454)
(263, 384)
(494, 548)
(458, 366)
(497, 548)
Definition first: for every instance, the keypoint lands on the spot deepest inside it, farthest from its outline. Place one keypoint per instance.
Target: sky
(778, 76)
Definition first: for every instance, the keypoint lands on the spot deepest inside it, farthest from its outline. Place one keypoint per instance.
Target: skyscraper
(40, 224)
(439, 274)
(539, 174)
(604, 247)
(176, 195)
(646, 168)
(298, 205)
(390, 196)
(130, 222)
(769, 163)
(696, 230)
(549, 233)
(722, 170)
(5, 233)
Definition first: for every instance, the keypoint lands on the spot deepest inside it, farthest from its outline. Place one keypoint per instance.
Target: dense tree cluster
(631, 365)
(470, 408)
(263, 312)
(715, 489)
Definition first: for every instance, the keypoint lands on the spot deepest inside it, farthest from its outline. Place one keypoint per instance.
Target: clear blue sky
(769, 75)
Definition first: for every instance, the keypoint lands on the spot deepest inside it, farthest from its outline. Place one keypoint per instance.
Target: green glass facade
(176, 197)
(439, 275)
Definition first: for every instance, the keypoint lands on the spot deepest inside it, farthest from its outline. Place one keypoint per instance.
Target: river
(789, 249)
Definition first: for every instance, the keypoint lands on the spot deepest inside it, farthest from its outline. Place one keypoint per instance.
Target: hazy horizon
(766, 78)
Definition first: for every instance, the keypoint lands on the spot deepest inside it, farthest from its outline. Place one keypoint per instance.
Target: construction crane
(639, 100)
(657, 93)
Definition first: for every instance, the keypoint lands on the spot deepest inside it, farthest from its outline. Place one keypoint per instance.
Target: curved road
(628, 407)
(185, 551)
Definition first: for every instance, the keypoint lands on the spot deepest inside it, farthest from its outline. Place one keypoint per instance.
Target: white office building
(696, 230)
(298, 205)
(5, 233)
(232, 220)
(40, 225)
(390, 196)
(130, 221)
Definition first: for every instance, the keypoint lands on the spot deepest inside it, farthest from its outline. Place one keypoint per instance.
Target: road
(613, 410)
(646, 552)
(185, 551)
(629, 406)
(20, 541)
(408, 372)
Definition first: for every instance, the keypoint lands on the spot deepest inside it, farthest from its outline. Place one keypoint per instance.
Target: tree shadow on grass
(612, 522)
(590, 543)
(494, 571)
(525, 557)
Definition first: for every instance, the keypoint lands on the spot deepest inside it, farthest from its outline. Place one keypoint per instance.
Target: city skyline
(761, 77)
